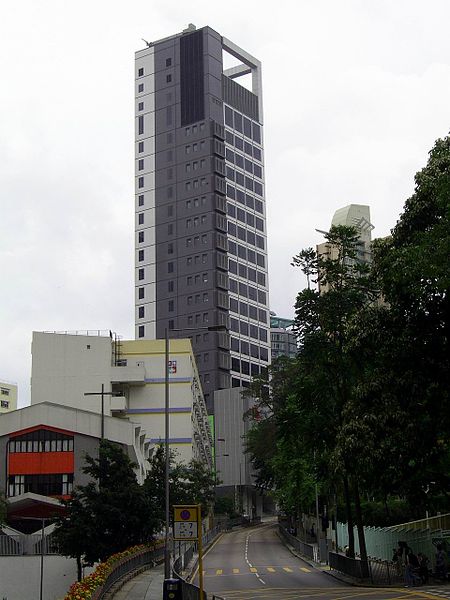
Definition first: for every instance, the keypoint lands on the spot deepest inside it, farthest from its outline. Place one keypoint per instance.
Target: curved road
(253, 564)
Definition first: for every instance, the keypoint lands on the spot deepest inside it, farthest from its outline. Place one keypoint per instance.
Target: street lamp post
(41, 570)
(102, 394)
(167, 432)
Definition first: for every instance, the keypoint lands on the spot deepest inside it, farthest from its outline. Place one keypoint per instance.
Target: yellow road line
(271, 569)
(219, 571)
(194, 574)
(253, 570)
(235, 570)
(305, 570)
(287, 569)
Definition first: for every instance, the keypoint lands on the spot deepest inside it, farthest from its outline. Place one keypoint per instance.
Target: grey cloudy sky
(355, 93)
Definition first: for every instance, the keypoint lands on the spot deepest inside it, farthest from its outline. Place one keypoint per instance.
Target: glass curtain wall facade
(200, 245)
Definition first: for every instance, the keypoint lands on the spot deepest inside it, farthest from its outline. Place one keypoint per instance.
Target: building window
(141, 312)
(140, 182)
(141, 218)
(141, 236)
(141, 293)
(141, 106)
(171, 324)
(140, 125)
(141, 200)
(141, 164)
(170, 286)
(140, 72)
(168, 62)
(140, 87)
(141, 147)
(170, 267)
(141, 255)
(141, 331)
(141, 274)
(168, 78)
(170, 306)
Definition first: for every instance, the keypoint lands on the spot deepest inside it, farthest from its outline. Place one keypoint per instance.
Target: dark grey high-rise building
(201, 253)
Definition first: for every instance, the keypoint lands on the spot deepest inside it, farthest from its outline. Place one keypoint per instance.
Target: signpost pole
(200, 549)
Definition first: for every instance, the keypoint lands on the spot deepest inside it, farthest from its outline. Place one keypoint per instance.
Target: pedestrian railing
(344, 564)
(27, 544)
(189, 590)
(126, 566)
(302, 547)
(385, 572)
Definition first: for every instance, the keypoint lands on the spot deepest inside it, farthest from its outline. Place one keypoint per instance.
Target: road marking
(253, 570)
(271, 569)
(305, 570)
(219, 572)
(236, 571)
(287, 569)
(194, 574)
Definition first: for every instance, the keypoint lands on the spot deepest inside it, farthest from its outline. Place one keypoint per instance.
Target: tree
(2, 508)
(363, 408)
(188, 484)
(108, 514)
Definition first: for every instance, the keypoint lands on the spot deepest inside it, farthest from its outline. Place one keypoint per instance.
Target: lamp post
(167, 432)
(41, 570)
(102, 394)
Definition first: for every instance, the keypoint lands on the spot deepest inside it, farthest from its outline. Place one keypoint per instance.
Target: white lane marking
(246, 557)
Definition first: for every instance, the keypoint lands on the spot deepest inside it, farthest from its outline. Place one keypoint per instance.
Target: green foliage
(225, 506)
(2, 508)
(108, 514)
(364, 405)
(189, 484)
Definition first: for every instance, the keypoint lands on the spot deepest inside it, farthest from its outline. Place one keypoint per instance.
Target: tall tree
(108, 514)
(189, 484)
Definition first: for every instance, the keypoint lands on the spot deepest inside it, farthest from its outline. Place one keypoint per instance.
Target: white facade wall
(8, 396)
(145, 60)
(59, 574)
(66, 366)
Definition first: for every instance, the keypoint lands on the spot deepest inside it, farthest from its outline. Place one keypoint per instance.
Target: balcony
(118, 405)
(128, 374)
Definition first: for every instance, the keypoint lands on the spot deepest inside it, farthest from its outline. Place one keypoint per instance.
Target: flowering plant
(85, 589)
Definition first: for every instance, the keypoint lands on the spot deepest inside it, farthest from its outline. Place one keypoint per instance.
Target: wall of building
(199, 209)
(59, 574)
(65, 367)
(8, 396)
(147, 403)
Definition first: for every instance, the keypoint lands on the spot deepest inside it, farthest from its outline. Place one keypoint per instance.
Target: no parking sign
(186, 522)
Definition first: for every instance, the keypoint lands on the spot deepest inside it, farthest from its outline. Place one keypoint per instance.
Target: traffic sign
(186, 530)
(186, 519)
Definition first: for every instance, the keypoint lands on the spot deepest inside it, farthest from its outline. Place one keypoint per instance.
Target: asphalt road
(253, 564)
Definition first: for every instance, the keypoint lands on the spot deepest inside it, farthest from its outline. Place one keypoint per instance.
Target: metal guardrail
(191, 591)
(346, 565)
(126, 566)
(385, 572)
(379, 572)
(26, 545)
(302, 547)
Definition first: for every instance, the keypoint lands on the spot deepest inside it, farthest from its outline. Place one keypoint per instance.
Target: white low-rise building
(67, 366)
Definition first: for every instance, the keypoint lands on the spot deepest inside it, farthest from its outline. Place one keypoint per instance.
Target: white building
(8, 396)
(65, 367)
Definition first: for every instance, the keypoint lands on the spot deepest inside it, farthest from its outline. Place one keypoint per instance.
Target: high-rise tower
(201, 252)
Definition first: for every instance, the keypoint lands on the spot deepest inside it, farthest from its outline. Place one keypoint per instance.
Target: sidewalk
(145, 586)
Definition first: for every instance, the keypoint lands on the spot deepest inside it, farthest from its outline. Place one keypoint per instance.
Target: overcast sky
(355, 93)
